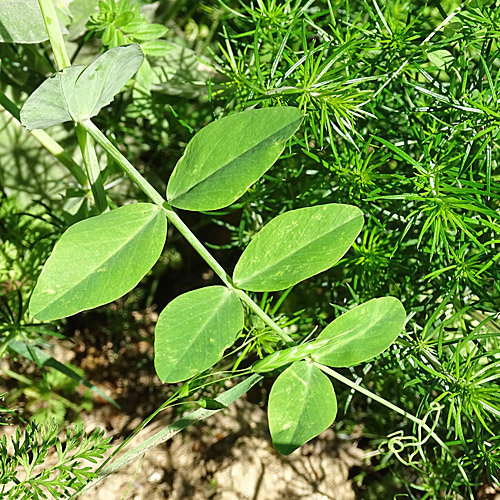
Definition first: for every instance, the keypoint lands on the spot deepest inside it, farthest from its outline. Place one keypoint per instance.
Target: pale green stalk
(92, 166)
(158, 200)
(62, 61)
(397, 409)
(48, 143)
(55, 35)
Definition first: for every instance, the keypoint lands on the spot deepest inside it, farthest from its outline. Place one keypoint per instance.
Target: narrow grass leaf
(399, 152)
(194, 330)
(297, 245)
(41, 358)
(302, 404)
(226, 157)
(98, 260)
(361, 333)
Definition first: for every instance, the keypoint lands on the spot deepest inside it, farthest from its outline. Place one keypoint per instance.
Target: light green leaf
(302, 404)
(156, 48)
(21, 21)
(451, 29)
(78, 92)
(48, 104)
(194, 330)
(80, 11)
(226, 157)
(143, 31)
(361, 333)
(297, 245)
(105, 77)
(440, 58)
(98, 260)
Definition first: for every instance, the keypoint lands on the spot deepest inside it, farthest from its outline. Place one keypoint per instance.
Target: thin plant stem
(158, 200)
(55, 35)
(359, 388)
(63, 61)
(92, 167)
(52, 146)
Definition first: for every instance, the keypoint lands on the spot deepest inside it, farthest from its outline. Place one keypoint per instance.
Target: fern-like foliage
(28, 472)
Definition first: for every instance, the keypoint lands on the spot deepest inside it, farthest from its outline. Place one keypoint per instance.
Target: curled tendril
(398, 442)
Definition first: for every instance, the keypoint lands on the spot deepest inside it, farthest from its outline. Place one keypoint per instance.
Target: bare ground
(230, 457)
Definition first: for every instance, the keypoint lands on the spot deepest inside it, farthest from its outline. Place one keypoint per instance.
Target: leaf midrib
(228, 162)
(307, 392)
(294, 252)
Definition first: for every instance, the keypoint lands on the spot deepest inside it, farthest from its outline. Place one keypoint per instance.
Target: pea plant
(99, 259)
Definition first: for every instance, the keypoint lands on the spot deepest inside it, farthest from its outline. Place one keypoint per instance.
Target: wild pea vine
(117, 248)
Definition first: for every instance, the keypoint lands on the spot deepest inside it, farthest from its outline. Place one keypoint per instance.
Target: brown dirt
(230, 457)
(226, 457)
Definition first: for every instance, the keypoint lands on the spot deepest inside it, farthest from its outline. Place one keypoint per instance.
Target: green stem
(63, 61)
(92, 168)
(55, 35)
(167, 433)
(158, 200)
(48, 143)
(397, 409)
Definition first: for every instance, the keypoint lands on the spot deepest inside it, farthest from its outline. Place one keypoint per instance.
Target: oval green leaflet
(354, 337)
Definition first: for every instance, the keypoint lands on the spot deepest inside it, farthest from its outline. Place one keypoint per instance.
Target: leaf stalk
(63, 61)
(172, 216)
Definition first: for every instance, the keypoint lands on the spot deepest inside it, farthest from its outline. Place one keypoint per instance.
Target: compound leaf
(361, 333)
(227, 156)
(297, 245)
(302, 404)
(79, 92)
(194, 330)
(98, 260)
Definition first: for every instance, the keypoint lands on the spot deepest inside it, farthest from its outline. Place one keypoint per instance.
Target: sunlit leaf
(361, 333)
(302, 404)
(79, 92)
(194, 330)
(226, 157)
(98, 260)
(21, 21)
(297, 245)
